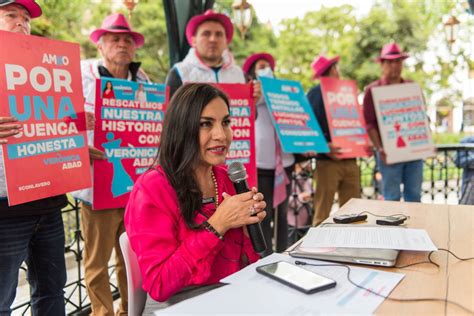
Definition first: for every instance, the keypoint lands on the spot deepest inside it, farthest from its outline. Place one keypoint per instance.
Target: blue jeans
(410, 174)
(39, 241)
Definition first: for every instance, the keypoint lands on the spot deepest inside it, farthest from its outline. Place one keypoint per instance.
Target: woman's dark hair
(251, 75)
(180, 149)
(111, 85)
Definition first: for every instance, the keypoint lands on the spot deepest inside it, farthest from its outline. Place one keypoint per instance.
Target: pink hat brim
(254, 58)
(137, 37)
(31, 6)
(392, 57)
(197, 20)
(326, 67)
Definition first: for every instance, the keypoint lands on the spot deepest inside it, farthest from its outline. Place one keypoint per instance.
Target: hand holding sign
(8, 128)
(257, 90)
(90, 121)
(95, 154)
(335, 151)
(383, 155)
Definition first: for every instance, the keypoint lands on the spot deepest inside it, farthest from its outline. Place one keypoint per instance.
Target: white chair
(136, 295)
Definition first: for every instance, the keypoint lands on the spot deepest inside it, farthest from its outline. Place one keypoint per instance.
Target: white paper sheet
(368, 237)
(253, 293)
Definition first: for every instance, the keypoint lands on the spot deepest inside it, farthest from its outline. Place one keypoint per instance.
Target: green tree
(259, 38)
(71, 20)
(60, 20)
(74, 20)
(409, 23)
(329, 31)
(359, 39)
(149, 19)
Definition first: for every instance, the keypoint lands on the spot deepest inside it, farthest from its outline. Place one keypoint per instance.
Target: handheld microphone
(238, 175)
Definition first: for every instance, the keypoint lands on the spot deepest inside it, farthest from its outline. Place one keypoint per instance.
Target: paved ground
(23, 293)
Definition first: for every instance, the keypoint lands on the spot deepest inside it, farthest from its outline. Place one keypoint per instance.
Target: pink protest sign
(242, 112)
(40, 85)
(129, 120)
(403, 123)
(345, 118)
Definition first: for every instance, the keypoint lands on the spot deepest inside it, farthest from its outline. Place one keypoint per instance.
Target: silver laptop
(367, 256)
(373, 257)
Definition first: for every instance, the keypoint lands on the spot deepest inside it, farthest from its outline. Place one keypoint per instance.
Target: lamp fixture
(242, 16)
(451, 26)
(130, 4)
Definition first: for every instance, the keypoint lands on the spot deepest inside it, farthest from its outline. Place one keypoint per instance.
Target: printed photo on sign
(40, 85)
(403, 123)
(242, 116)
(129, 120)
(345, 117)
(294, 121)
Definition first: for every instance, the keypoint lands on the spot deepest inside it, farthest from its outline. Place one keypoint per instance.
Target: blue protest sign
(292, 116)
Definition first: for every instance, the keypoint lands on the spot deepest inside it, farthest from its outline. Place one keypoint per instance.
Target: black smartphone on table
(296, 277)
(349, 218)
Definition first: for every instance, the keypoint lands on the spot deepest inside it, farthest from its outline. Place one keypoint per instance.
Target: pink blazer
(171, 256)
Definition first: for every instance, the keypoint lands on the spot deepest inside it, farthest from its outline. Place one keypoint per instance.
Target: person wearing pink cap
(117, 44)
(410, 173)
(267, 148)
(209, 59)
(32, 232)
(332, 174)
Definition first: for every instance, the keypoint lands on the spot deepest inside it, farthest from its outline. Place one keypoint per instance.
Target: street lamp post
(451, 26)
(242, 16)
(130, 4)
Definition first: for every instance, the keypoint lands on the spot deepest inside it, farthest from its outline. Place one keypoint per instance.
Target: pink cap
(116, 23)
(252, 59)
(30, 5)
(197, 20)
(321, 64)
(391, 51)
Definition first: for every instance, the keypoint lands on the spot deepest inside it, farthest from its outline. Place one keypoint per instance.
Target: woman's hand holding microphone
(238, 210)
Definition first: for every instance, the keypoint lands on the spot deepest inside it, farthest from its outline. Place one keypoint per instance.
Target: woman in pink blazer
(183, 219)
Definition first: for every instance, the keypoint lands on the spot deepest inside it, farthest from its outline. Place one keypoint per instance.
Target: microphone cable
(412, 300)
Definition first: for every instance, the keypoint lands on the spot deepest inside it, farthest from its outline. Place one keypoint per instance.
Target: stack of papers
(396, 238)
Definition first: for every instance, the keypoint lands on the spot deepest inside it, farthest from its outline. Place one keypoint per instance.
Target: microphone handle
(241, 186)
(256, 236)
(255, 230)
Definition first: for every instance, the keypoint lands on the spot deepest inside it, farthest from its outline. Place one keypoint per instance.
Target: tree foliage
(259, 37)
(359, 39)
(74, 20)
(149, 19)
(71, 20)
(330, 30)
(409, 23)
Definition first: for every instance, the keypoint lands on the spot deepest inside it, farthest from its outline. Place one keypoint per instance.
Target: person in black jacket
(32, 232)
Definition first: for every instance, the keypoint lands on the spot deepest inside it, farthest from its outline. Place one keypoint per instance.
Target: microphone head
(236, 172)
